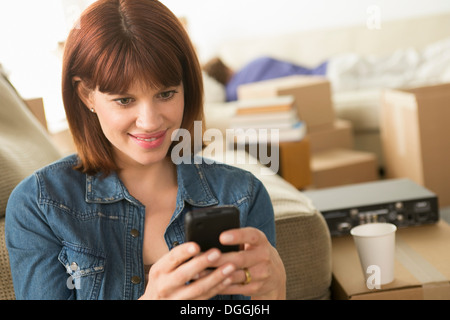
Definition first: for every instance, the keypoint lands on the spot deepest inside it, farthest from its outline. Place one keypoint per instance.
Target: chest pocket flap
(85, 269)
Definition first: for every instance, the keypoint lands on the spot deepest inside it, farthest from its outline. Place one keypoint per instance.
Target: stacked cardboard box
(333, 160)
(415, 136)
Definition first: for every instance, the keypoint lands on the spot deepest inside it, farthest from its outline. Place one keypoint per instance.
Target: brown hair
(114, 44)
(216, 69)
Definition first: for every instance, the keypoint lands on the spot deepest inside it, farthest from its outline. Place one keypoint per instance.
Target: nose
(148, 117)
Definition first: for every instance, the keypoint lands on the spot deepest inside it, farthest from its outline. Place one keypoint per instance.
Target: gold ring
(248, 276)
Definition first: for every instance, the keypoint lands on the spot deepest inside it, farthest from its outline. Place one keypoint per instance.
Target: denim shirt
(74, 236)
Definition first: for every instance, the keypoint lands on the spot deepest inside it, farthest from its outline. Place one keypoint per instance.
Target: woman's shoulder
(60, 172)
(62, 169)
(67, 162)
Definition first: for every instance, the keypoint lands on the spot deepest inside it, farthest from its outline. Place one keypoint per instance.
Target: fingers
(256, 247)
(209, 285)
(260, 259)
(180, 254)
(249, 236)
(264, 281)
(248, 280)
(192, 269)
(171, 277)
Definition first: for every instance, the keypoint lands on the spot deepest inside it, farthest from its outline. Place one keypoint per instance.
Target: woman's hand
(169, 276)
(261, 261)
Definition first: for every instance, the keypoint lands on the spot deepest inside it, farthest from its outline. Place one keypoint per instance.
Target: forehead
(133, 79)
(141, 87)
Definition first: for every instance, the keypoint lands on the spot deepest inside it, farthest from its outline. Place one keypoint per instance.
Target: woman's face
(139, 124)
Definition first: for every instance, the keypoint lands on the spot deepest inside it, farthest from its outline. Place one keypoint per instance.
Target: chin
(134, 157)
(150, 160)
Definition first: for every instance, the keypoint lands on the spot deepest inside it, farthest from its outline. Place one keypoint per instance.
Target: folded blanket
(403, 68)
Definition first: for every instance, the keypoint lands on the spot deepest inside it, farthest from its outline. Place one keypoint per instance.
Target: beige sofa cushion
(24, 144)
(6, 284)
(24, 147)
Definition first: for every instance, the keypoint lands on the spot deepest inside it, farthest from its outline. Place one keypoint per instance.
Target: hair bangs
(128, 63)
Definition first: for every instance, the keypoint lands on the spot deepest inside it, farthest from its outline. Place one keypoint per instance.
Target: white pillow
(214, 90)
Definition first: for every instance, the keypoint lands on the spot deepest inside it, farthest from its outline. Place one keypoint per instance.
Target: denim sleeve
(261, 214)
(33, 247)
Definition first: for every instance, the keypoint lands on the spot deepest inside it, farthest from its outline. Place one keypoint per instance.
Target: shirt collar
(100, 189)
(192, 184)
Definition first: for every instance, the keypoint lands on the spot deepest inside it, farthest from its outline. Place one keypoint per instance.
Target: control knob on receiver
(344, 226)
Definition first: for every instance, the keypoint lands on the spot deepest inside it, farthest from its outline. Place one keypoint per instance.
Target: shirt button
(74, 266)
(135, 279)
(175, 243)
(134, 233)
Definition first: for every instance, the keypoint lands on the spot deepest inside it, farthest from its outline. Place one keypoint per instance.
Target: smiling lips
(149, 141)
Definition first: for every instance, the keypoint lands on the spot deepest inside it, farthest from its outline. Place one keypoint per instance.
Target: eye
(124, 101)
(167, 95)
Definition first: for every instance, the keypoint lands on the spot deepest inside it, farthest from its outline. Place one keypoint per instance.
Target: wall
(214, 21)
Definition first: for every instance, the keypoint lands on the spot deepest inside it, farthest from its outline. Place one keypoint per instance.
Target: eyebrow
(126, 93)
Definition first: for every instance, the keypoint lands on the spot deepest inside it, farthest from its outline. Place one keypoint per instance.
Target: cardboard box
(338, 166)
(340, 135)
(295, 167)
(294, 160)
(422, 260)
(312, 97)
(36, 106)
(369, 141)
(415, 135)
(64, 141)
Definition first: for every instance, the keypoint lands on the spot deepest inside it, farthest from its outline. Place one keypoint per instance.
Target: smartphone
(204, 226)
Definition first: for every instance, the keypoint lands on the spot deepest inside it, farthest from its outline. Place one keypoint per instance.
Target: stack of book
(264, 116)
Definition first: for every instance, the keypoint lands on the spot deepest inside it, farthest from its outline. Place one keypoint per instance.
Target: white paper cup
(375, 243)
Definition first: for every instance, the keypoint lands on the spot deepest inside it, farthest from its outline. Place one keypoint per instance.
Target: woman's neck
(149, 181)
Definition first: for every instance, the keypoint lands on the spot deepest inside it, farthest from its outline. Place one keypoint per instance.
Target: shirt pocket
(85, 269)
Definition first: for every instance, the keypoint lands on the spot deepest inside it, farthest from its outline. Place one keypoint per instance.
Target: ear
(84, 93)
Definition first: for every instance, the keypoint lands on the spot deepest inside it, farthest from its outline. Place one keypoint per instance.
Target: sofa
(362, 61)
(303, 238)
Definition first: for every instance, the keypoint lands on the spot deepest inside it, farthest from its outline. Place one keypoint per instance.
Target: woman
(91, 225)
(260, 69)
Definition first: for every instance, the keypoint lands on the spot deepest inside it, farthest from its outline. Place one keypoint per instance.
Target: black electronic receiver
(398, 201)
(204, 226)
